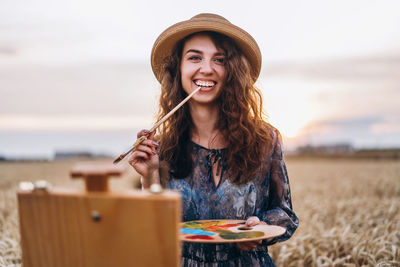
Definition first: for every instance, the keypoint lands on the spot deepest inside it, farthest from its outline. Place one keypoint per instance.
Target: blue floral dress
(267, 197)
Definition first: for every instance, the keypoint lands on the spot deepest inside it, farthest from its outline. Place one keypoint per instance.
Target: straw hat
(167, 40)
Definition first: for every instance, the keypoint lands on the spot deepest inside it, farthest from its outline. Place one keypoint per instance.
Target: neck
(205, 131)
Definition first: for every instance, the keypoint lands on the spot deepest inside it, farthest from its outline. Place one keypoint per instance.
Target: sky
(76, 74)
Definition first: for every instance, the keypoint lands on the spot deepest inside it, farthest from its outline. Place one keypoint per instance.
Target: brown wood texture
(95, 168)
(133, 228)
(96, 174)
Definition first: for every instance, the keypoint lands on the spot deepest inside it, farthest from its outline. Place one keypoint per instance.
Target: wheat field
(349, 210)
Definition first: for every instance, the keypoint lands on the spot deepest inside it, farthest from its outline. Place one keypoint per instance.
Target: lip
(205, 88)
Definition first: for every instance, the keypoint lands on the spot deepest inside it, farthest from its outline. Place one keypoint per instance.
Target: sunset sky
(76, 74)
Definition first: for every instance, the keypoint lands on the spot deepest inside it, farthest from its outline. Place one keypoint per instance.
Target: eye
(220, 60)
(194, 58)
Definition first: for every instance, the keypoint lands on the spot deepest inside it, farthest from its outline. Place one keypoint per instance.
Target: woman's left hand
(251, 221)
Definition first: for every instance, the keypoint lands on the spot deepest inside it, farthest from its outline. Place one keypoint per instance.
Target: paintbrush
(144, 137)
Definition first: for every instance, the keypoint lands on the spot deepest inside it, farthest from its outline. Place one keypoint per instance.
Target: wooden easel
(98, 227)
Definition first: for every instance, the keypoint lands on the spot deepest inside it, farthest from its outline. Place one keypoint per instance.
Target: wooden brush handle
(144, 137)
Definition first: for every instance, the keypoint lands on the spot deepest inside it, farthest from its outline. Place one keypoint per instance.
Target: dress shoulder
(275, 138)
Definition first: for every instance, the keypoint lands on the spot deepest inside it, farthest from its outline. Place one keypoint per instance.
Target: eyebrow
(199, 52)
(193, 51)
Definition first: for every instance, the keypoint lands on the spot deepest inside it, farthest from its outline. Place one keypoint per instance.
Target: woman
(220, 154)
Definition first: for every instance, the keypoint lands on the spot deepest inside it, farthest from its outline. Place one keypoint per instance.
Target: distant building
(341, 148)
(72, 154)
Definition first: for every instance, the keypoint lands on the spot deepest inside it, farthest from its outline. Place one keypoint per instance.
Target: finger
(142, 132)
(243, 246)
(150, 143)
(146, 149)
(139, 155)
(252, 221)
(151, 136)
(253, 244)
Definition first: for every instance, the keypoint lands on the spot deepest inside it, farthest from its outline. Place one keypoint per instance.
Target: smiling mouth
(206, 84)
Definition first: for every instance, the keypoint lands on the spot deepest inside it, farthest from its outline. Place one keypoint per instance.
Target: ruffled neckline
(207, 149)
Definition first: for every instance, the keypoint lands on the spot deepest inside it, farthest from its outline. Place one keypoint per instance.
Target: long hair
(240, 120)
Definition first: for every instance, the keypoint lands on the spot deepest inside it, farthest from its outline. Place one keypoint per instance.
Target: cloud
(367, 131)
(390, 125)
(72, 123)
(381, 67)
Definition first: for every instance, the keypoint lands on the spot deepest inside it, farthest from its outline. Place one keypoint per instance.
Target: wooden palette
(226, 231)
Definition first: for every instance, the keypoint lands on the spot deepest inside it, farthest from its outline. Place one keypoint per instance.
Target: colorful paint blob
(202, 237)
(196, 232)
(240, 235)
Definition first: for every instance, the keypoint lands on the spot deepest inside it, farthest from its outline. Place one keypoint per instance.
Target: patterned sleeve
(278, 208)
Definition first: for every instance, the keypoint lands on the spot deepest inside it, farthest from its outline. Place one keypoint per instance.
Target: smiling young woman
(202, 64)
(221, 155)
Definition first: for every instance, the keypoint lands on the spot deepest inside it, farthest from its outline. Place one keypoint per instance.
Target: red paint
(230, 225)
(220, 226)
(206, 237)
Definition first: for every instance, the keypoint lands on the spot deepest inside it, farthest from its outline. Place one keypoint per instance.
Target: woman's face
(203, 64)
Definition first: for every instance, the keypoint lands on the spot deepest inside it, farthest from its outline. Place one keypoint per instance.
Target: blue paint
(196, 232)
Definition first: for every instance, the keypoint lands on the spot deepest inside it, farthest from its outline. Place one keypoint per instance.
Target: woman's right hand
(145, 159)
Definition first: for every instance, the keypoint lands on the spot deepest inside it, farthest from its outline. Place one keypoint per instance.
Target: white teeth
(204, 83)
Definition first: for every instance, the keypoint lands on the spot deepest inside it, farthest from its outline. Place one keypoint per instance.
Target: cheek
(185, 78)
(185, 72)
(222, 72)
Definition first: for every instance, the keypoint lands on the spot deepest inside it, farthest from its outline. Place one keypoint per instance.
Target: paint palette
(226, 231)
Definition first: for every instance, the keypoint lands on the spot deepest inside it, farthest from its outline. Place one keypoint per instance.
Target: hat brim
(167, 41)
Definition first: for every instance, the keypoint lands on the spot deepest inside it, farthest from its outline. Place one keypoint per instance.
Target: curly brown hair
(241, 115)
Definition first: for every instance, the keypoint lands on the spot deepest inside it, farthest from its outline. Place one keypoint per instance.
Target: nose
(206, 66)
